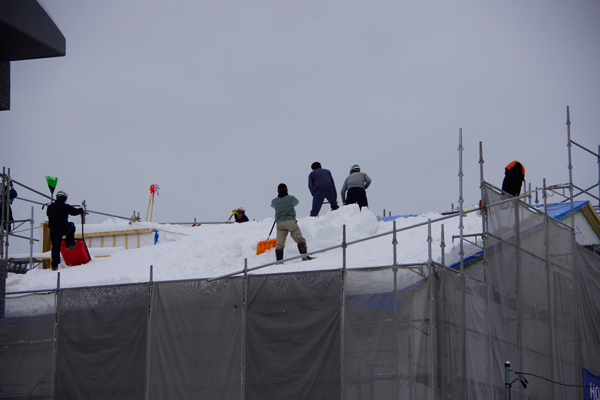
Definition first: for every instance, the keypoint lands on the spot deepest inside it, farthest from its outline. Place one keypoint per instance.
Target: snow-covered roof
(207, 251)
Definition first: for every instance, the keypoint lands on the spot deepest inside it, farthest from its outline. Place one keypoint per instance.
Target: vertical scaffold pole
(519, 280)
(507, 380)
(148, 330)
(432, 336)
(484, 212)
(460, 201)
(31, 239)
(395, 335)
(243, 355)
(344, 246)
(3, 214)
(484, 227)
(343, 318)
(545, 198)
(462, 254)
(573, 240)
(395, 245)
(432, 316)
(549, 282)
(443, 246)
(569, 145)
(6, 213)
(429, 242)
(55, 344)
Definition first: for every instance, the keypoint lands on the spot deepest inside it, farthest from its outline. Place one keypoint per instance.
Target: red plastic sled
(77, 255)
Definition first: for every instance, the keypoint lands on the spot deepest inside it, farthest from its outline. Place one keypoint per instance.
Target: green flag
(51, 183)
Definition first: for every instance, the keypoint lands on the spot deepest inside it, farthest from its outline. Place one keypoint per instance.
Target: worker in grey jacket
(285, 215)
(356, 184)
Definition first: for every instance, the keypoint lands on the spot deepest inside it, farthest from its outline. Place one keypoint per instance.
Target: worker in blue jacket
(321, 186)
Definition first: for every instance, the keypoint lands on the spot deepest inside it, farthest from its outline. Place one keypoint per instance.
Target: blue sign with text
(592, 385)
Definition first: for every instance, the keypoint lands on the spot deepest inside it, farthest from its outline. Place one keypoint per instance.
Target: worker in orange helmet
(514, 175)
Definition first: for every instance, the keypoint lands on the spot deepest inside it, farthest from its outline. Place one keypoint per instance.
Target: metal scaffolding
(347, 333)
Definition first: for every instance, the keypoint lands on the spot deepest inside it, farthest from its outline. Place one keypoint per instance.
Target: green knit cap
(355, 167)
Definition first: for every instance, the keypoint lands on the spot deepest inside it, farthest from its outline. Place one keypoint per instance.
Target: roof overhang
(28, 32)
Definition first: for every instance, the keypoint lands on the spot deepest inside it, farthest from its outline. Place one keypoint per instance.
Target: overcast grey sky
(218, 102)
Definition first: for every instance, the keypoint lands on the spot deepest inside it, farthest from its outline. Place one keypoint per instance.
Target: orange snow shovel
(265, 245)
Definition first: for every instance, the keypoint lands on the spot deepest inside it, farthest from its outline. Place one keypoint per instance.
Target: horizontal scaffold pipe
(273, 263)
(108, 215)
(32, 201)
(344, 244)
(559, 186)
(525, 194)
(412, 267)
(583, 148)
(23, 237)
(585, 191)
(26, 293)
(534, 209)
(539, 258)
(33, 190)
(87, 210)
(196, 223)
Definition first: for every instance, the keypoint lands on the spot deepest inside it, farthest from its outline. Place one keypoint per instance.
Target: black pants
(56, 235)
(357, 195)
(9, 219)
(512, 183)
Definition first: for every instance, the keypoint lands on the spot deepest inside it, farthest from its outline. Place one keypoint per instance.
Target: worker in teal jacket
(285, 215)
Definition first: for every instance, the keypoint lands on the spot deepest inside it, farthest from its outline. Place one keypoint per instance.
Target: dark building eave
(28, 32)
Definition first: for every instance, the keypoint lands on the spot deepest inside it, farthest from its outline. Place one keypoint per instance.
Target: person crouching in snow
(58, 222)
(240, 215)
(356, 183)
(285, 215)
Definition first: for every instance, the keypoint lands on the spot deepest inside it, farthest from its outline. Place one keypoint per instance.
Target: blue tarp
(558, 211)
(393, 217)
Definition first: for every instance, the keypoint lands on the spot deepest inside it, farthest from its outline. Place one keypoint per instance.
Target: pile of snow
(209, 251)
